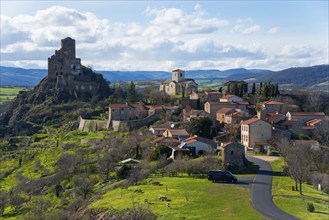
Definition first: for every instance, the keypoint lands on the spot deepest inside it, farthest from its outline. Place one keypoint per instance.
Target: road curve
(261, 192)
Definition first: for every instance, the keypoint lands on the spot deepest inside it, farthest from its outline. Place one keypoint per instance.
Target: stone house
(274, 107)
(233, 154)
(178, 85)
(198, 145)
(213, 107)
(275, 118)
(213, 96)
(126, 112)
(305, 116)
(255, 132)
(230, 98)
(188, 114)
(228, 115)
(291, 125)
(166, 141)
(178, 133)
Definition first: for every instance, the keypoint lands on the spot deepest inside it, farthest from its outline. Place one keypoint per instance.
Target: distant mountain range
(315, 77)
(11, 76)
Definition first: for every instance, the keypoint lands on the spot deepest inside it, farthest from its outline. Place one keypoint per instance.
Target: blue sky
(158, 35)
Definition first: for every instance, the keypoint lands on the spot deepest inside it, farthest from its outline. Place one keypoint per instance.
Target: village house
(160, 129)
(213, 107)
(178, 133)
(233, 154)
(213, 96)
(275, 118)
(125, 111)
(166, 141)
(188, 114)
(198, 146)
(305, 116)
(231, 98)
(291, 125)
(229, 116)
(178, 85)
(274, 107)
(255, 133)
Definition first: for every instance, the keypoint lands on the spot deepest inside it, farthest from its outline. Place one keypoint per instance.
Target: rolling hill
(11, 76)
(315, 77)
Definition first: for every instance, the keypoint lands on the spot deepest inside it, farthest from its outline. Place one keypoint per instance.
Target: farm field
(9, 93)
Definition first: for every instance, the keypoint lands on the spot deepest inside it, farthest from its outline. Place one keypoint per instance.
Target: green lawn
(190, 198)
(294, 203)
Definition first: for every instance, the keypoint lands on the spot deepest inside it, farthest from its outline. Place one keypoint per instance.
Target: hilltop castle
(65, 73)
(178, 85)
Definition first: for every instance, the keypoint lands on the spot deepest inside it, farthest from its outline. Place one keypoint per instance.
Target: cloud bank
(171, 38)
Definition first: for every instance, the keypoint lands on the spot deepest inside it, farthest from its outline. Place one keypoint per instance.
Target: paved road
(261, 192)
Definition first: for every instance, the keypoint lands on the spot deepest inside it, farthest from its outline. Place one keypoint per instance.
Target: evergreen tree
(277, 92)
(131, 93)
(236, 90)
(253, 91)
(241, 90)
(260, 91)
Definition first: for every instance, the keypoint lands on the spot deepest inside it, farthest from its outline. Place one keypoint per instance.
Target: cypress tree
(253, 91)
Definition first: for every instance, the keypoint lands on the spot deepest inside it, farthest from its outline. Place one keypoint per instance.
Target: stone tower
(63, 65)
(178, 75)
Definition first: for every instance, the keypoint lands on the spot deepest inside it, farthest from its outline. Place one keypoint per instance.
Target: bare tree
(299, 164)
(106, 165)
(83, 185)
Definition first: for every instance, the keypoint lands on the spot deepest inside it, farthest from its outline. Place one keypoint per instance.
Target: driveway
(261, 192)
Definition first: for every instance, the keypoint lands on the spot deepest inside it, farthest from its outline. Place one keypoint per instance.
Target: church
(178, 85)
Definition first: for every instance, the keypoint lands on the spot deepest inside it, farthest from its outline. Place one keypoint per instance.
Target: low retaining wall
(92, 125)
(132, 124)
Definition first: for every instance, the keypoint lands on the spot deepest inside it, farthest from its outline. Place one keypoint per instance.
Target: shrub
(310, 207)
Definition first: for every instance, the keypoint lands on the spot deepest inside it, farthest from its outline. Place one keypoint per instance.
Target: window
(231, 152)
(181, 75)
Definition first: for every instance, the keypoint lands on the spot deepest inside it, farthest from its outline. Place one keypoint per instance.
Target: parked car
(221, 175)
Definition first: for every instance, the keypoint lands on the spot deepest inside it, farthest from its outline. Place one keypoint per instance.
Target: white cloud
(174, 22)
(171, 38)
(273, 30)
(246, 26)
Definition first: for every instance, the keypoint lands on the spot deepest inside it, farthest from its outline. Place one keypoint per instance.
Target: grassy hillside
(191, 198)
(294, 203)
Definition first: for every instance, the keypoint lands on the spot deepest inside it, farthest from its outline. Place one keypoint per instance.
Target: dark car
(221, 175)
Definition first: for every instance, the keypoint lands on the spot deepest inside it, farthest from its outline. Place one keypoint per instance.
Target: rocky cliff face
(32, 109)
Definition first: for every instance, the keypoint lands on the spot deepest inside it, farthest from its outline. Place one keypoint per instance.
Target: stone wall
(92, 125)
(133, 124)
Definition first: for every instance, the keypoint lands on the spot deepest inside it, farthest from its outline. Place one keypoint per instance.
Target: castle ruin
(65, 73)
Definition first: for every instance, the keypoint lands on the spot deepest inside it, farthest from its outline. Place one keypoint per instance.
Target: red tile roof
(314, 121)
(227, 96)
(288, 122)
(119, 105)
(274, 117)
(273, 103)
(196, 138)
(178, 132)
(250, 121)
(307, 113)
(225, 110)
